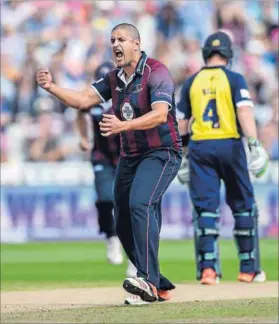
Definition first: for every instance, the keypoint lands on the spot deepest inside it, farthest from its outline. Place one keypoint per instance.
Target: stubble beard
(125, 63)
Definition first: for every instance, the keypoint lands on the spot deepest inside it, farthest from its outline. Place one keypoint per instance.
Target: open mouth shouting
(119, 55)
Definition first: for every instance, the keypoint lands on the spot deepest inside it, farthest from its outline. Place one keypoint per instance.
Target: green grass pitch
(83, 264)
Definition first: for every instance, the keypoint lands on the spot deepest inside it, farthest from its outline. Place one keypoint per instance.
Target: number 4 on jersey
(210, 114)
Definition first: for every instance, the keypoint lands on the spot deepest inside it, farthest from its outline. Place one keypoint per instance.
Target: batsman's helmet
(103, 69)
(218, 43)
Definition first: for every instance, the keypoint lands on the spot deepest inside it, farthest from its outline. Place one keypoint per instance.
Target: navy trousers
(139, 186)
(210, 162)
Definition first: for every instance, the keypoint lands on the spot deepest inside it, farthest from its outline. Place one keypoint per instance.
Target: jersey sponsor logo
(160, 93)
(137, 88)
(127, 111)
(245, 93)
(118, 89)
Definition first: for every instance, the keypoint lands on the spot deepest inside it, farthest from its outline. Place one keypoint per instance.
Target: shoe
(131, 271)
(135, 300)
(252, 277)
(163, 295)
(114, 253)
(141, 287)
(209, 277)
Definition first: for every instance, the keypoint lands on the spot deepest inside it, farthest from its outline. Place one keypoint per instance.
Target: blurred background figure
(44, 145)
(47, 143)
(104, 155)
(6, 113)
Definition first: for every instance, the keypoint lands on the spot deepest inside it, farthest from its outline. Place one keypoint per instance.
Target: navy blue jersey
(105, 149)
(150, 83)
(211, 97)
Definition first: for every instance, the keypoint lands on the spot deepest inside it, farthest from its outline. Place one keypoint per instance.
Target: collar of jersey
(214, 67)
(139, 69)
(121, 76)
(141, 63)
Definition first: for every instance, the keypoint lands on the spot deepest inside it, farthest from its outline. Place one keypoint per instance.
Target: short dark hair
(131, 28)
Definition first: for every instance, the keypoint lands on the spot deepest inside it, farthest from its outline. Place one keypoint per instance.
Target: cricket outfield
(71, 282)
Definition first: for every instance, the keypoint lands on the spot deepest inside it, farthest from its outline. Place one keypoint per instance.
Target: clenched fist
(44, 78)
(110, 125)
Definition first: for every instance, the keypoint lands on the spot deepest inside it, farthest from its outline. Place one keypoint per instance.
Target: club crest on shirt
(127, 111)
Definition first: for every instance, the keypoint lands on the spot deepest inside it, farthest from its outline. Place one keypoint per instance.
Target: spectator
(5, 119)
(232, 16)
(261, 76)
(169, 22)
(46, 146)
(269, 133)
(193, 13)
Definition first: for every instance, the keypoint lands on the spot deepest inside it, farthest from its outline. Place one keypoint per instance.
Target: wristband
(253, 142)
(185, 140)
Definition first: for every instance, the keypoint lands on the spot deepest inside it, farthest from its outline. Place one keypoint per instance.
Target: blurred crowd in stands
(72, 39)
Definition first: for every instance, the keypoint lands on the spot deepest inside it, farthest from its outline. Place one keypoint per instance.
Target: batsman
(215, 105)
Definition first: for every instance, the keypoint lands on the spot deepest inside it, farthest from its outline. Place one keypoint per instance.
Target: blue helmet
(103, 69)
(218, 43)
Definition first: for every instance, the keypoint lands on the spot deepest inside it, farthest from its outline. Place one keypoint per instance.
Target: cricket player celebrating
(218, 103)
(142, 93)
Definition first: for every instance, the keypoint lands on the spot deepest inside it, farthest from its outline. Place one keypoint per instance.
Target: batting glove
(183, 174)
(258, 158)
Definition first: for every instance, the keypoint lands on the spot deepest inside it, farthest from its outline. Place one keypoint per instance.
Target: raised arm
(80, 100)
